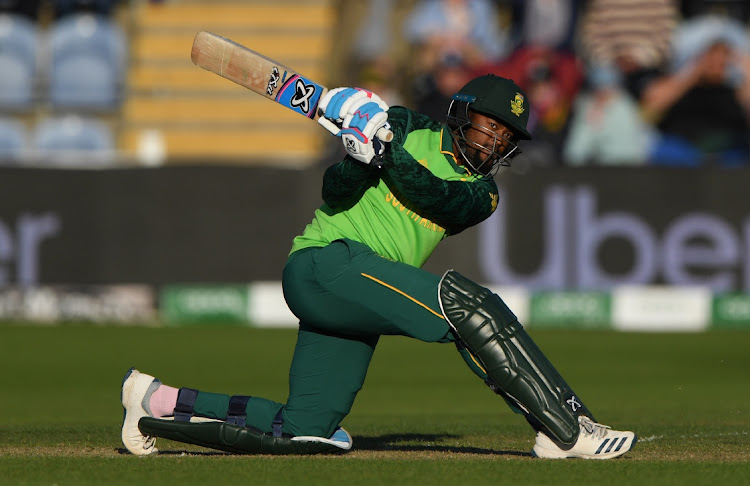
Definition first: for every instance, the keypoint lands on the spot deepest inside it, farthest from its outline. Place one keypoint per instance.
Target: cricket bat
(264, 76)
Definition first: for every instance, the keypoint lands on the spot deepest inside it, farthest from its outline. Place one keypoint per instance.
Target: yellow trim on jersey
(421, 304)
(453, 156)
(447, 152)
(402, 293)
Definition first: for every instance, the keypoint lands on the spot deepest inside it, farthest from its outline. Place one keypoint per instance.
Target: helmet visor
(496, 150)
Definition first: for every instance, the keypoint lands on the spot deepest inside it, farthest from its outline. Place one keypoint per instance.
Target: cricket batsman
(354, 274)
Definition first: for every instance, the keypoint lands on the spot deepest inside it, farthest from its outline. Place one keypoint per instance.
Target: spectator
(465, 29)
(633, 35)
(736, 9)
(449, 38)
(549, 23)
(432, 91)
(551, 78)
(606, 126)
(701, 107)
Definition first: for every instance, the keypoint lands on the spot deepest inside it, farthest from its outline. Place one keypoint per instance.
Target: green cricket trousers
(346, 296)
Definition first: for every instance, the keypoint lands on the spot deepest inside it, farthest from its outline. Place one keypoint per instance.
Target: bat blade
(262, 75)
(257, 73)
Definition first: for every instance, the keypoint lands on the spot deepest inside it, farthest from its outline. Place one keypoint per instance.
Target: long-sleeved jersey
(403, 209)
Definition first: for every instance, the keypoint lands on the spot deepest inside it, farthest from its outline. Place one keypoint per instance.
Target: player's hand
(358, 131)
(360, 115)
(339, 102)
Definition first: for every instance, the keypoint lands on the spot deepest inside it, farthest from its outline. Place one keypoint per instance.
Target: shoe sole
(552, 454)
(129, 385)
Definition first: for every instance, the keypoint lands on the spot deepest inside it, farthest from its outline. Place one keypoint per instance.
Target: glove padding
(360, 114)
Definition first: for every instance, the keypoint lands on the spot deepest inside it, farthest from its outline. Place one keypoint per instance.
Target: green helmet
(497, 98)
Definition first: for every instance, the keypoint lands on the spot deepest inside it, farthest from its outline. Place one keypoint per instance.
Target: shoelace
(589, 427)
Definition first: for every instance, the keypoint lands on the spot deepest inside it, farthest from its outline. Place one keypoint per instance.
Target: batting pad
(516, 368)
(242, 440)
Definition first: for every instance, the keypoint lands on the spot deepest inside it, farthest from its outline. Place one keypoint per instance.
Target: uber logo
(20, 245)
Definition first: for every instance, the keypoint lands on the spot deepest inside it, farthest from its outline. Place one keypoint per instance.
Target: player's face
(487, 141)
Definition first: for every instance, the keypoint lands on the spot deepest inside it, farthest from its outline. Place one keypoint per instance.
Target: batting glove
(337, 103)
(358, 131)
(359, 114)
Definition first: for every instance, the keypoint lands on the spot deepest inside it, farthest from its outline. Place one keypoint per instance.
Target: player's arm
(455, 205)
(345, 182)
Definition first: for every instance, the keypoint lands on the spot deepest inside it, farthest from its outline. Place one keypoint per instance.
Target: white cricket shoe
(595, 441)
(136, 392)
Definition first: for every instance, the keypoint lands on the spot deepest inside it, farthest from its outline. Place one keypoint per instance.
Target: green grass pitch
(422, 417)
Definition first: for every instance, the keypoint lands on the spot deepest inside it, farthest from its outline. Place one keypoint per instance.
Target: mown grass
(422, 417)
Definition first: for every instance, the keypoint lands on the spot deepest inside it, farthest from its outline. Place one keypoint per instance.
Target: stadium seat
(13, 140)
(63, 8)
(18, 59)
(72, 133)
(88, 59)
(27, 8)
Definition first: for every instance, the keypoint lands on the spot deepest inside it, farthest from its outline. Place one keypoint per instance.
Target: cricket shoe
(595, 441)
(137, 389)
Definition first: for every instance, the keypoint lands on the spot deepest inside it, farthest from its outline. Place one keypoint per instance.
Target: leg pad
(241, 440)
(516, 368)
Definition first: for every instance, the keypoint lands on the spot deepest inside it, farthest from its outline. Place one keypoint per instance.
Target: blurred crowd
(611, 82)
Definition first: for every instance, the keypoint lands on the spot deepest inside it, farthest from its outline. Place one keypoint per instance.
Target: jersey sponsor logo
(516, 106)
(273, 81)
(300, 94)
(494, 201)
(419, 220)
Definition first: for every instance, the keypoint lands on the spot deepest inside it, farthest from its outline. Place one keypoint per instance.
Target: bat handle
(384, 135)
(329, 125)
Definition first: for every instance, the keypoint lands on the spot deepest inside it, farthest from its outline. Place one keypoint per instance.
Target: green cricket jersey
(403, 209)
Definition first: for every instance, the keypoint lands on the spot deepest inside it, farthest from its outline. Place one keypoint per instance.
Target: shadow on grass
(423, 443)
(387, 443)
(180, 452)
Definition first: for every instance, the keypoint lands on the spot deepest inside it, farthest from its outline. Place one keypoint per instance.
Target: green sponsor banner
(193, 304)
(591, 310)
(731, 310)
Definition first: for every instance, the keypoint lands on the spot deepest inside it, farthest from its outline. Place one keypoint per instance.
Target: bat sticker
(272, 81)
(300, 94)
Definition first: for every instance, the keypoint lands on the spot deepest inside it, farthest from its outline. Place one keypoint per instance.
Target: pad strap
(278, 423)
(237, 413)
(183, 411)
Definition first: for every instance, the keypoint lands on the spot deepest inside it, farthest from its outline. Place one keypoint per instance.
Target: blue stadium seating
(13, 140)
(57, 135)
(63, 8)
(18, 60)
(27, 8)
(88, 61)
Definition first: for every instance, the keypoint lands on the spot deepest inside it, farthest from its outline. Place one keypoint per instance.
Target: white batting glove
(359, 128)
(360, 114)
(337, 103)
